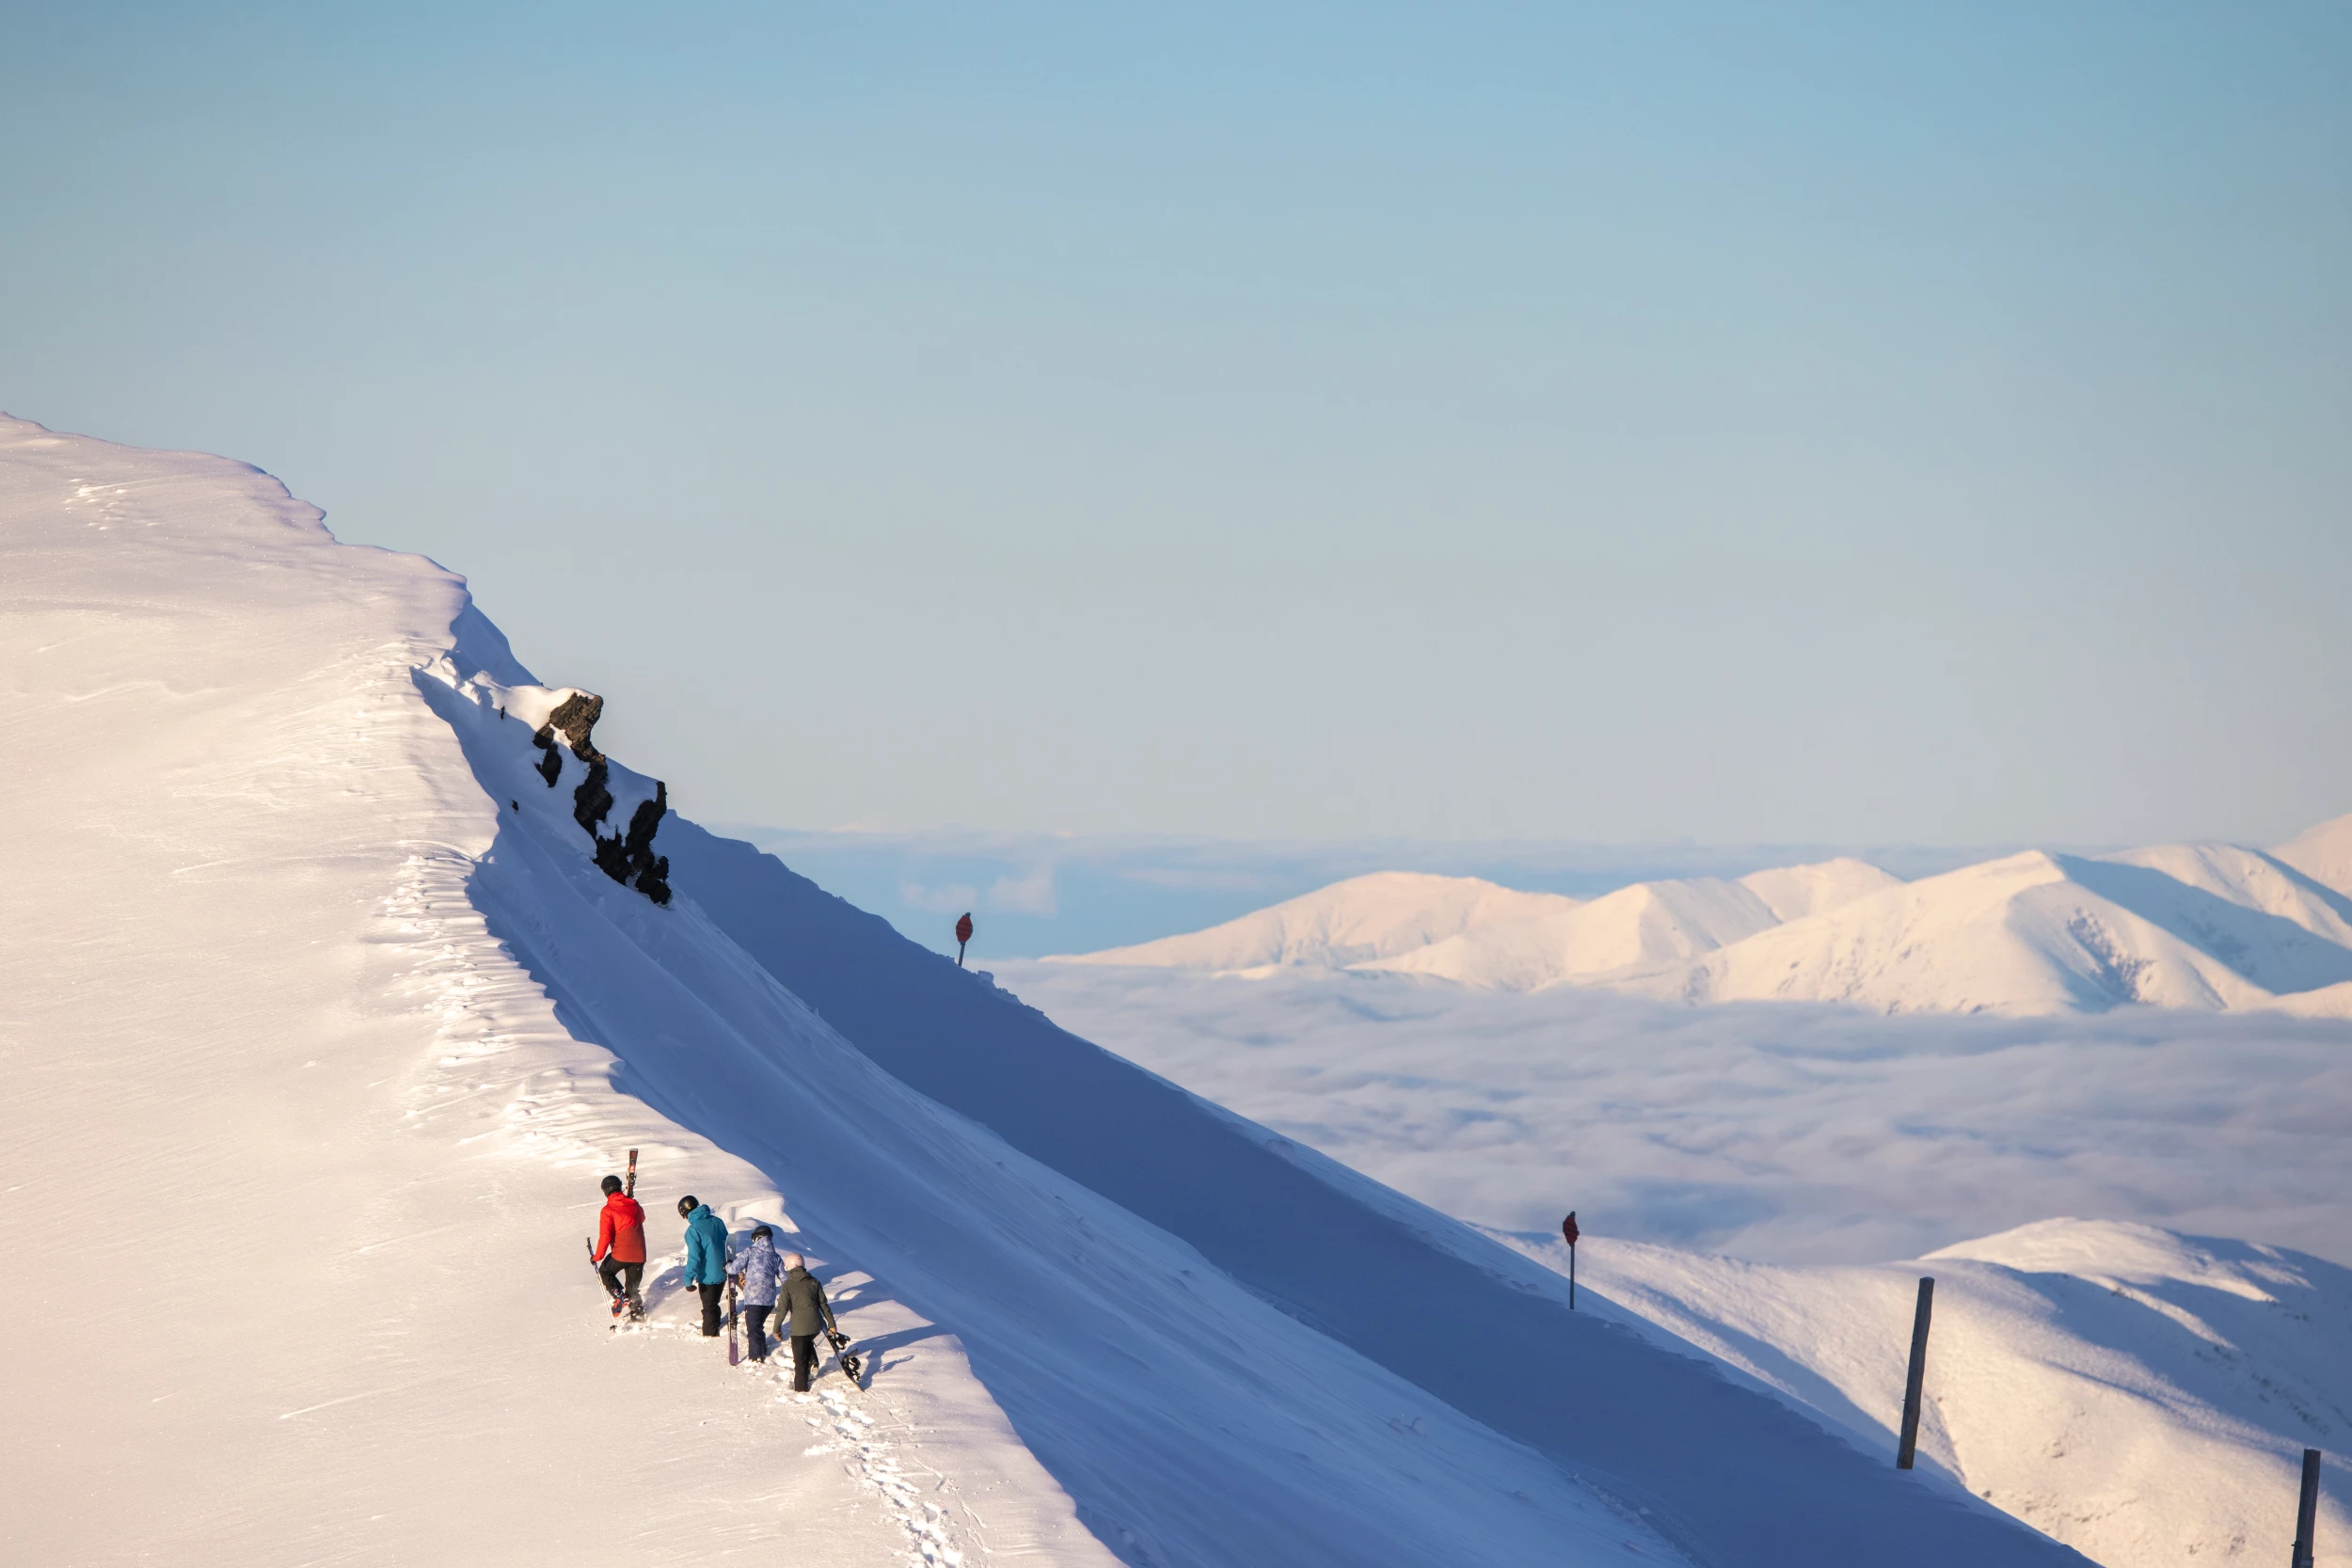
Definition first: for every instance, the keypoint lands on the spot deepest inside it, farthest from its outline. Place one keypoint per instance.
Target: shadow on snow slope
(1188, 1422)
(1727, 1473)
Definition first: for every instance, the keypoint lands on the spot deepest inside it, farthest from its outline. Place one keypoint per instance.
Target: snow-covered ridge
(2142, 1395)
(2206, 926)
(322, 1009)
(559, 725)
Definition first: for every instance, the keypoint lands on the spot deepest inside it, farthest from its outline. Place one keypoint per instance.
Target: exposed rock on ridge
(566, 722)
(626, 857)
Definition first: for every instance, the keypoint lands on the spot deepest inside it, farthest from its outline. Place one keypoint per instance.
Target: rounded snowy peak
(1363, 918)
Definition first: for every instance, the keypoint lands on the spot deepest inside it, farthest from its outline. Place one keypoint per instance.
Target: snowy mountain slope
(1780, 1132)
(1364, 917)
(2323, 853)
(1799, 892)
(303, 1160)
(1473, 931)
(1082, 1323)
(1299, 1230)
(331, 989)
(2041, 933)
(1645, 926)
(2262, 918)
(277, 1066)
(2207, 927)
(2143, 1396)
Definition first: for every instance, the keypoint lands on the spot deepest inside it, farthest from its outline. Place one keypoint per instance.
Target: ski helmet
(612, 1185)
(687, 1205)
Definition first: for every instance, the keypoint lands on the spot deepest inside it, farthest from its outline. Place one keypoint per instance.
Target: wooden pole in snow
(2307, 1510)
(1918, 1376)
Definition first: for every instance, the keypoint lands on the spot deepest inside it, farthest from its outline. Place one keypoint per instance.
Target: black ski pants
(756, 1321)
(805, 1360)
(710, 1309)
(620, 1280)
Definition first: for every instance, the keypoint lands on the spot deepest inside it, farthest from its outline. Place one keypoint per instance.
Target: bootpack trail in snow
(304, 882)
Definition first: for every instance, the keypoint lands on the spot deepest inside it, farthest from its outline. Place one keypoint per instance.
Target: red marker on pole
(963, 934)
(1567, 1228)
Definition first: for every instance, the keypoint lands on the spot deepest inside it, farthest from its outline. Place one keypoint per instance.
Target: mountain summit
(2202, 926)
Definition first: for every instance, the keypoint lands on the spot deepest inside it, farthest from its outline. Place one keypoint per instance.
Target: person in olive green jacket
(804, 1313)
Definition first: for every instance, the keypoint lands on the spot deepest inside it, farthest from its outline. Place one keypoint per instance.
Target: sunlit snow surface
(2208, 926)
(321, 1023)
(2143, 1396)
(301, 1162)
(2133, 1392)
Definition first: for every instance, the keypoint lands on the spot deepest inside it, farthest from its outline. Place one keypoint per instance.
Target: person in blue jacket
(706, 1257)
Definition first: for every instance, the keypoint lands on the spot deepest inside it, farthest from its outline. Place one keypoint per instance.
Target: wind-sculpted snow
(2143, 1396)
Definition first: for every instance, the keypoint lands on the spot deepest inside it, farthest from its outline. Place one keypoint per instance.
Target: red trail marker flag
(963, 934)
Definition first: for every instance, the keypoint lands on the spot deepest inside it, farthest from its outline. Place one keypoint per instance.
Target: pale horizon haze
(1798, 424)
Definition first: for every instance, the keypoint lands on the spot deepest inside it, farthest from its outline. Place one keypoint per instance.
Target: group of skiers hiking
(768, 1281)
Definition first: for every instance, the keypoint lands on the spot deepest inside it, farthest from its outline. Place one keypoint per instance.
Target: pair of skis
(628, 1189)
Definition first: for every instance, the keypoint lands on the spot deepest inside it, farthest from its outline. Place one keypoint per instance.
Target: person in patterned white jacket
(758, 1274)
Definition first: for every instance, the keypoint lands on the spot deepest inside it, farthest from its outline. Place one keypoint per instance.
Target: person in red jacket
(620, 1250)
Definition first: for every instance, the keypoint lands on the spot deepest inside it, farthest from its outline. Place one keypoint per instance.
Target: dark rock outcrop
(626, 857)
(592, 799)
(575, 720)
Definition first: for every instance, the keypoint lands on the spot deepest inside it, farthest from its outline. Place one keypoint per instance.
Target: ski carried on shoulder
(624, 1309)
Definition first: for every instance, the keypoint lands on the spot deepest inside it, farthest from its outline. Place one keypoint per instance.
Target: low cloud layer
(1781, 1132)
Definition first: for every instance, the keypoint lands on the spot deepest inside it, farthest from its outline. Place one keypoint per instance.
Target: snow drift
(329, 998)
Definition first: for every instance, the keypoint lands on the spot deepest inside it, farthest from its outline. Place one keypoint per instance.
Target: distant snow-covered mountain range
(2212, 926)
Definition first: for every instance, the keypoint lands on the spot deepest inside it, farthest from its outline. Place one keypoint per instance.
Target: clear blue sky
(1817, 422)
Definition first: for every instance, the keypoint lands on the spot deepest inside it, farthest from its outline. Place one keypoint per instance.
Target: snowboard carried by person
(851, 1364)
(804, 1313)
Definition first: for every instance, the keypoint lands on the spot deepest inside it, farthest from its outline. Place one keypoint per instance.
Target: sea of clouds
(1776, 1131)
